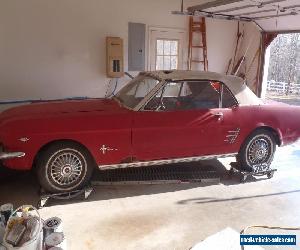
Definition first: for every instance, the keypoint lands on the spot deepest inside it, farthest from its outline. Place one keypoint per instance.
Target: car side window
(228, 100)
(186, 95)
(203, 95)
(166, 98)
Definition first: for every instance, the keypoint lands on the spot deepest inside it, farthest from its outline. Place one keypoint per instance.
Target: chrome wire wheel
(259, 152)
(67, 168)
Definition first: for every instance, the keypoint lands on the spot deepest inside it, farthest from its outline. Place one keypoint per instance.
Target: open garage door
(258, 23)
(270, 15)
(281, 74)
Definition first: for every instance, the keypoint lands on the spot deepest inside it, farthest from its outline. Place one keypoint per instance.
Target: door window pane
(167, 62)
(204, 95)
(174, 62)
(159, 62)
(167, 47)
(172, 89)
(174, 48)
(160, 47)
(187, 95)
(228, 99)
(166, 54)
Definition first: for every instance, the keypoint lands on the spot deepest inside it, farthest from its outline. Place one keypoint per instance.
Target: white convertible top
(236, 84)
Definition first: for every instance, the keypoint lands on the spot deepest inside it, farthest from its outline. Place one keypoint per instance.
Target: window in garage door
(166, 49)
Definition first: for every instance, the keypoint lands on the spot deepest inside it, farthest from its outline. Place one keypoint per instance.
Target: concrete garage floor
(173, 216)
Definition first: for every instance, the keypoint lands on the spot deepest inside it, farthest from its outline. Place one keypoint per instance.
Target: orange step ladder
(197, 27)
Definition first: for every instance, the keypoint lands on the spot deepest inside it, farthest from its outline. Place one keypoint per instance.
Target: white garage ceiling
(271, 15)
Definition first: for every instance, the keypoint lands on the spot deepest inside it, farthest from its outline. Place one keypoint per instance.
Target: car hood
(274, 103)
(42, 109)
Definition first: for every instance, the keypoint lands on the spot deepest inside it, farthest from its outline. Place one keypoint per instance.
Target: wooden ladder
(197, 26)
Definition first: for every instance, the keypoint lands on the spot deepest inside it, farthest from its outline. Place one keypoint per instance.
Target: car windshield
(135, 91)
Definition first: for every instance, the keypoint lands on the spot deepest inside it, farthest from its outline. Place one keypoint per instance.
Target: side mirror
(234, 107)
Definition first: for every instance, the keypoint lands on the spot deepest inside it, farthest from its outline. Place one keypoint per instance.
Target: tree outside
(284, 69)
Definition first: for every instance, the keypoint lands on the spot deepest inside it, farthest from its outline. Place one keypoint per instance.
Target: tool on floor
(245, 175)
(52, 225)
(55, 240)
(44, 197)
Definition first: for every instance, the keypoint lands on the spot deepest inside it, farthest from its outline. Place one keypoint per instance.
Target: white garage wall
(55, 49)
(221, 39)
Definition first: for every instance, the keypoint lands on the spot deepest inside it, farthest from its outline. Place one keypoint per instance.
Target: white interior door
(166, 49)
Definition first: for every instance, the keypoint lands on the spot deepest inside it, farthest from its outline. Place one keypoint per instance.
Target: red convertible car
(158, 118)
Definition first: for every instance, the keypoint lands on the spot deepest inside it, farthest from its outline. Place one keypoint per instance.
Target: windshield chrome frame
(149, 96)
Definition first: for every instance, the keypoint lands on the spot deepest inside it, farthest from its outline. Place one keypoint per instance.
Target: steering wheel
(161, 105)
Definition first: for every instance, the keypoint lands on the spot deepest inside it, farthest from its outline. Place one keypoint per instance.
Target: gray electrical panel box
(136, 46)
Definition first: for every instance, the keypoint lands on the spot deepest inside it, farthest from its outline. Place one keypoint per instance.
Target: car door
(184, 119)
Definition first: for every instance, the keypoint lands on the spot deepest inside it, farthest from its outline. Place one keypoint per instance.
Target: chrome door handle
(220, 116)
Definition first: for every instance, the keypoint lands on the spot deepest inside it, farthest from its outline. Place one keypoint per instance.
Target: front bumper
(11, 155)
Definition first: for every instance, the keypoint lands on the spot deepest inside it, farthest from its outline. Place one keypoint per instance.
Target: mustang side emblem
(232, 135)
(24, 139)
(106, 148)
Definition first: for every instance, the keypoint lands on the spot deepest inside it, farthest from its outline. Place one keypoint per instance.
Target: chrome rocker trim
(11, 155)
(162, 162)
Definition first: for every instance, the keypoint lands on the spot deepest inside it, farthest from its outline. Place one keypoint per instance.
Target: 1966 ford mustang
(159, 117)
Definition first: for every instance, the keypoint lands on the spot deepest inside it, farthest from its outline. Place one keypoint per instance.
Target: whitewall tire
(64, 166)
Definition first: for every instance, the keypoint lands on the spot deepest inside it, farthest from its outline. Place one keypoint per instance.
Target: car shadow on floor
(203, 200)
(18, 188)
(22, 187)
